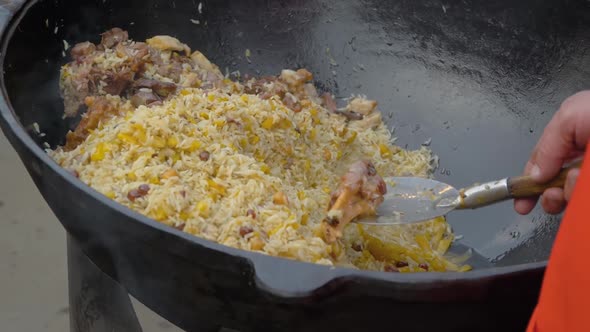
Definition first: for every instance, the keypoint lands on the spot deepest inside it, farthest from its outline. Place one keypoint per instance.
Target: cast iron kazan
(481, 78)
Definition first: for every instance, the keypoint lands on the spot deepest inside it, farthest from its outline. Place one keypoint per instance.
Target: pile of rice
(252, 174)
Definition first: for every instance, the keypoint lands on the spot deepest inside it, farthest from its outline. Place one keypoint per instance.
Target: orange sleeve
(564, 302)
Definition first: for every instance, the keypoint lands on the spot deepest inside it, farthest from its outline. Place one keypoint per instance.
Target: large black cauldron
(481, 78)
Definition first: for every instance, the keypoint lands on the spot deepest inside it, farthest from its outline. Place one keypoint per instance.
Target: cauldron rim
(19, 138)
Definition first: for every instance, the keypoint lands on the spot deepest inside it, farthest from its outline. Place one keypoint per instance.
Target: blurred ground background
(33, 273)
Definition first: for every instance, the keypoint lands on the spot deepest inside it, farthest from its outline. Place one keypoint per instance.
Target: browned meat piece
(86, 77)
(114, 37)
(295, 79)
(349, 115)
(99, 108)
(155, 56)
(201, 61)
(298, 86)
(310, 92)
(167, 43)
(136, 54)
(82, 50)
(172, 70)
(362, 106)
(117, 82)
(370, 121)
(329, 103)
(360, 192)
(211, 80)
(266, 87)
(146, 98)
(292, 102)
(291, 87)
(361, 109)
(161, 88)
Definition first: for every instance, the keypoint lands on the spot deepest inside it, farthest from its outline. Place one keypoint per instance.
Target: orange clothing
(564, 302)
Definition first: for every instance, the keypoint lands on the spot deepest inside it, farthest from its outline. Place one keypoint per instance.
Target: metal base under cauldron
(100, 304)
(97, 302)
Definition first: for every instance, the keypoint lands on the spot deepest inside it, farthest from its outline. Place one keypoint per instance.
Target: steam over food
(266, 164)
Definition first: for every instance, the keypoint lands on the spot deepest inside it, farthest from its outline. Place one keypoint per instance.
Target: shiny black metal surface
(480, 78)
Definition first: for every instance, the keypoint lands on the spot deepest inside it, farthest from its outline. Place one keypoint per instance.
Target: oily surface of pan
(481, 79)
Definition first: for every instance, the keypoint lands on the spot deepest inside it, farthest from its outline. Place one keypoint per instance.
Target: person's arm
(563, 140)
(565, 294)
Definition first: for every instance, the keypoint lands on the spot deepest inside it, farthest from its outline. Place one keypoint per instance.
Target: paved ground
(33, 282)
(32, 246)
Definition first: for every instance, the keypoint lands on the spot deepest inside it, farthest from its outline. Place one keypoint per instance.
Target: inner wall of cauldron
(480, 79)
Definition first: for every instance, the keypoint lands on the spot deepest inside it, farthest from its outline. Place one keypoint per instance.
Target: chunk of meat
(132, 50)
(311, 93)
(83, 77)
(113, 37)
(172, 70)
(290, 86)
(161, 88)
(191, 80)
(145, 97)
(360, 192)
(297, 85)
(82, 50)
(116, 82)
(292, 102)
(349, 115)
(361, 105)
(202, 62)
(168, 43)
(329, 103)
(266, 87)
(211, 80)
(136, 54)
(370, 121)
(295, 79)
(99, 109)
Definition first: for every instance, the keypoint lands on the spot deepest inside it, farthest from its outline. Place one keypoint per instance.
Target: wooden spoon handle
(524, 186)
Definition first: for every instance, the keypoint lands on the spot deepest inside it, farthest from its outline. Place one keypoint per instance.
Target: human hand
(563, 140)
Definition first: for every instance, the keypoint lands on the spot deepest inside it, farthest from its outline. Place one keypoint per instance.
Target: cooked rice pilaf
(248, 164)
